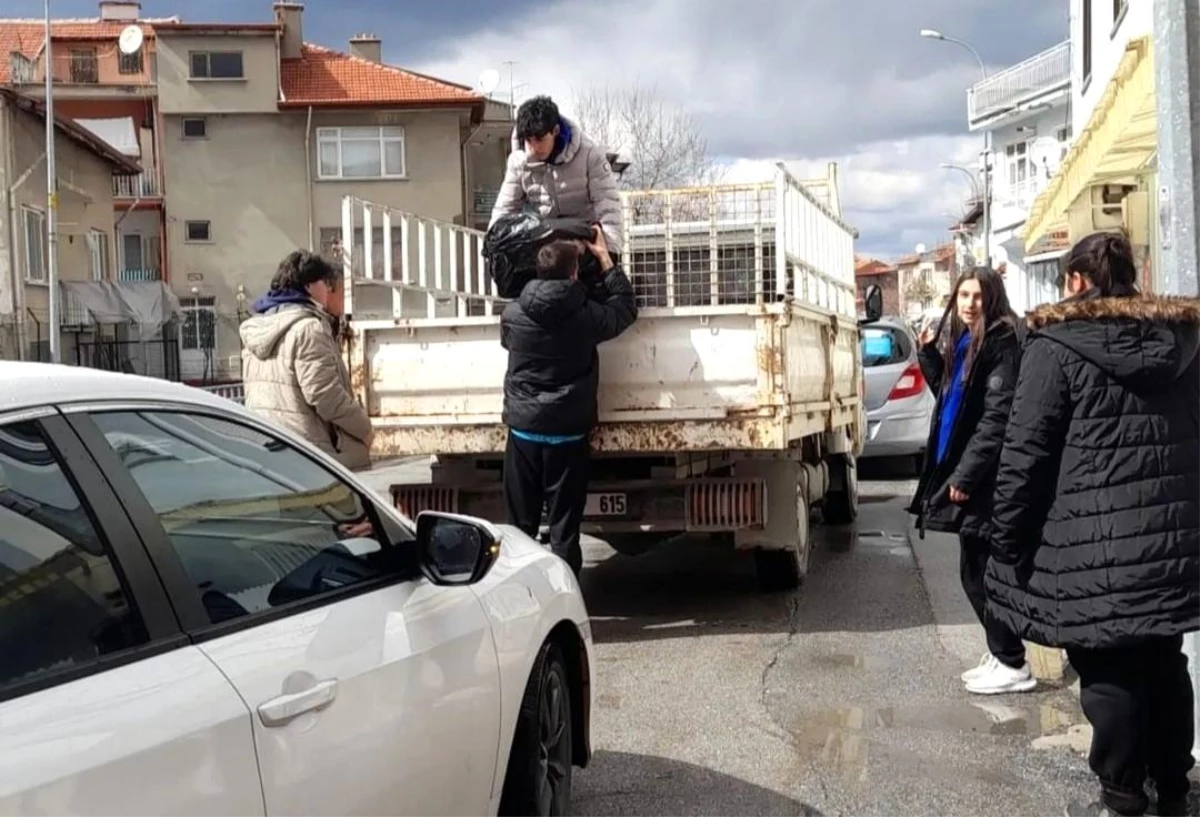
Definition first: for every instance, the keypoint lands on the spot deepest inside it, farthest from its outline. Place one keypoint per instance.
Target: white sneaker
(985, 666)
(1002, 679)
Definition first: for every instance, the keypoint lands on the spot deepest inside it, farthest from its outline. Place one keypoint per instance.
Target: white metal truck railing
(715, 246)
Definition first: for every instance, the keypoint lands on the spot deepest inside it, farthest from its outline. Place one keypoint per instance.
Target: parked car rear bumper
(899, 428)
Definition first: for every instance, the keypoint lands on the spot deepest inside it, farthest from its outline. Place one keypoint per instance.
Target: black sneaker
(1172, 807)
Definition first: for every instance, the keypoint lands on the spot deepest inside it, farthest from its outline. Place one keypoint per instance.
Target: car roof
(28, 385)
(890, 322)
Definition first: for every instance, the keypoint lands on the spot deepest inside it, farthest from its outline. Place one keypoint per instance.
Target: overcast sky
(806, 81)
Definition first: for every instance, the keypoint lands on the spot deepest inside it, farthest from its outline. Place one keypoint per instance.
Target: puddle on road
(845, 539)
(840, 737)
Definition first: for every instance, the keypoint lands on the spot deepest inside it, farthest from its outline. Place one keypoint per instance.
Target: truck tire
(633, 544)
(780, 570)
(840, 505)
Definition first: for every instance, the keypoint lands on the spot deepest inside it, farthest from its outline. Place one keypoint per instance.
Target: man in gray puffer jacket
(559, 172)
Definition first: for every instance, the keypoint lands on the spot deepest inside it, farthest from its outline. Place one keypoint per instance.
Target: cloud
(802, 81)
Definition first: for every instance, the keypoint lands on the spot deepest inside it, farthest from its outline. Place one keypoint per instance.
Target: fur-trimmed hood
(1147, 342)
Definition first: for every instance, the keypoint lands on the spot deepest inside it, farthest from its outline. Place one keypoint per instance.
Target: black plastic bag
(511, 245)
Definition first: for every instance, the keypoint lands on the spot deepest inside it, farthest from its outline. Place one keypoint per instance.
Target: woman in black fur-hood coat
(1096, 519)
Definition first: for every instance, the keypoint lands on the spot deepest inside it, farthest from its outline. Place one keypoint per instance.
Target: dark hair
(1106, 260)
(536, 117)
(301, 269)
(996, 309)
(558, 260)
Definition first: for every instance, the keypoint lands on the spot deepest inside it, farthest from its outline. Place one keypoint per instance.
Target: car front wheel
(538, 781)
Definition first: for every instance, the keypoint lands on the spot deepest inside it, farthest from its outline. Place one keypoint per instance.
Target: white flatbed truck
(732, 406)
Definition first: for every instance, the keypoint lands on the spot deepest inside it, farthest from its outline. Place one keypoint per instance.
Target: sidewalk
(960, 635)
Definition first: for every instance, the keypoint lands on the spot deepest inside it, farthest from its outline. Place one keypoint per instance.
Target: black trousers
(1140, 704)
(1001, 641)
(537, 474)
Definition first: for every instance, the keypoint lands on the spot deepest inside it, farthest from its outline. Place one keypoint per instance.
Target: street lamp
(934, 34)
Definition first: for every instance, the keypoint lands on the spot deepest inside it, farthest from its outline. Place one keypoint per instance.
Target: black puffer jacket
(551, 333)
(1096, 539)
(970, 463)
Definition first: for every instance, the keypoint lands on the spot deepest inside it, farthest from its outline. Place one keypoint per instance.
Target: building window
(21, 68)
(98, 249)
(1017, 159)
(197, 231)
(198, 331)
(130, 63)
(84, 66)
(35, 245)
(1086, 70)
(361, 153)
(217, 65)
(194, 127)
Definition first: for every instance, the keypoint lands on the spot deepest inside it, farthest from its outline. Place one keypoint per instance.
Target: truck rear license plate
(605, 505)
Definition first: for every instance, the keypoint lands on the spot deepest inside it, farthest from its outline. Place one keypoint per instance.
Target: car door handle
(284, 709)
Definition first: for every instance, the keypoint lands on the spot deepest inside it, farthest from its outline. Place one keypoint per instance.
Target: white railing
(143, 185)
(1019, 195)
(231, 391)
(720, 245)
(1041, 73)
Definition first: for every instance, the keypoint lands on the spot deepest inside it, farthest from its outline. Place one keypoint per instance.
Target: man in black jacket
(551, 333)
(1096, 521)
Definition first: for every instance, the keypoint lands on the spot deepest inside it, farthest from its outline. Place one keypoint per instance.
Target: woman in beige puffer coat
(292, 367)
(559, 172)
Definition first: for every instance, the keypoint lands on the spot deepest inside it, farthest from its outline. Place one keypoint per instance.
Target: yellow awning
(1120, 140)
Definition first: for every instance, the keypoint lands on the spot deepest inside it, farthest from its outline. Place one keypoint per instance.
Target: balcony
(139, 275)
(142, 186)
(1043, 74)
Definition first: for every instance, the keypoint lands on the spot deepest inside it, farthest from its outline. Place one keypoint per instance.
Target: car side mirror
(873, 303)
(455, 550)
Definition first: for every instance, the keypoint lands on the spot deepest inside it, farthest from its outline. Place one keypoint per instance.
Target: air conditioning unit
(1110, 207)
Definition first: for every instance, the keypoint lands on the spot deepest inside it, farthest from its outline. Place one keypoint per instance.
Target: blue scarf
(278, 297)
(953, 398)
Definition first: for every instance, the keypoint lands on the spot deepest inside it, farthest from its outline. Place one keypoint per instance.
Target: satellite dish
(920, 249)
(130, 41)
(489, 80)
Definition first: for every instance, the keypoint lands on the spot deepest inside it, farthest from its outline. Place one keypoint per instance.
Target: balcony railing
(143, 185)
(139, 275)
(1043, 73)
(1019, 195)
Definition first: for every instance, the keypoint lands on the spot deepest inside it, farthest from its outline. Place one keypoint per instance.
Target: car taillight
(909, 384)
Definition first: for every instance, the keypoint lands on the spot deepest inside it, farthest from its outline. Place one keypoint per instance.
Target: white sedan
(200, 614)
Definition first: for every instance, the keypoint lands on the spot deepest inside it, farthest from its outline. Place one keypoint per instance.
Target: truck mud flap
(700, 505)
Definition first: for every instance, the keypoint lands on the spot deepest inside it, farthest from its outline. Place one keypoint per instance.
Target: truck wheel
(780, 570)
(840, 506)
(633, 544)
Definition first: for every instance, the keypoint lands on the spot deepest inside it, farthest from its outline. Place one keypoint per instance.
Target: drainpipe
(16, 280)
(466, 177)
(308, 174)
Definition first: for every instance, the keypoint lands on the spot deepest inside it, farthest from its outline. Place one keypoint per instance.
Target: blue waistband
(547, 439)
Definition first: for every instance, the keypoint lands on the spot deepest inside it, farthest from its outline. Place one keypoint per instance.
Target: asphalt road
(842, 698)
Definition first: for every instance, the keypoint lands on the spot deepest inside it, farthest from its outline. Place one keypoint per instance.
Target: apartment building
(250, 137)
(114, 96)
(85, 168)
(1025, 111)
(1108, 178)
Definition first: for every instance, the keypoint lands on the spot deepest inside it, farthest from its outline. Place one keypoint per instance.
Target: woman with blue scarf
(972, 368)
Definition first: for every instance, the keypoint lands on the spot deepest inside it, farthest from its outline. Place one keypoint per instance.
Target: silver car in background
(899, 402)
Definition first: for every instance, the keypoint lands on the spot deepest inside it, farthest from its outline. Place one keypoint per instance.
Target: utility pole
(51, 199)
(1177, 90)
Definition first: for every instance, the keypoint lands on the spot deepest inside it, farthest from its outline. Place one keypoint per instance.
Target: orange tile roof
(326, 78)
(25, 36)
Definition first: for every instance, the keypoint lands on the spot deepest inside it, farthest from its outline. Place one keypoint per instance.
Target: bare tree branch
(662, 142)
